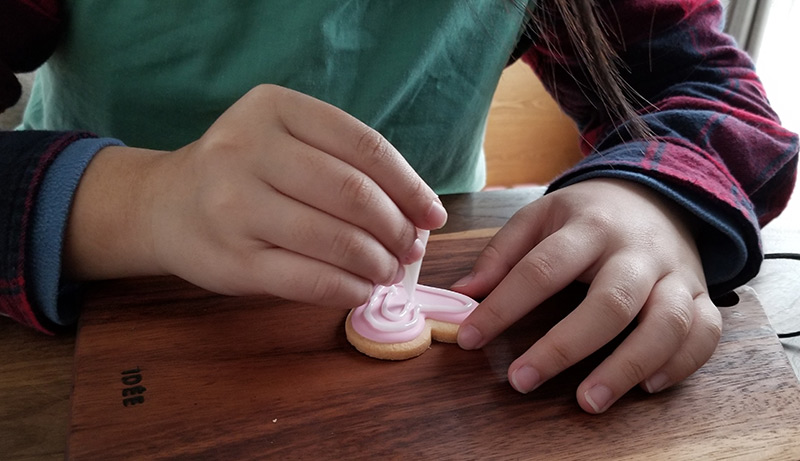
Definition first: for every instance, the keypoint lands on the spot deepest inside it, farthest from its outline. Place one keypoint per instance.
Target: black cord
(782, 256)
(794, 256)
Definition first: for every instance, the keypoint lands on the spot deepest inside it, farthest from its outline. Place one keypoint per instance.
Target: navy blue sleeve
(52, 296)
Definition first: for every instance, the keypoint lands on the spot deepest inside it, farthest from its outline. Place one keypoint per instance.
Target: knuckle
(419, 191)
(620, 305)
(690, 362)
(492, 316)
(215, 142)
(694, 358)
(561, 356)
(385, 273)
(265, 91)
(537, 270)
(709, 314)
(633, 371)
(353, 247)
(600, 220)
(678, 321)
(347, 244)
(494, 257)
(402, 239)
(304, 230)
(373, 147)
(357, 191)
(713, 328)
(325, 290)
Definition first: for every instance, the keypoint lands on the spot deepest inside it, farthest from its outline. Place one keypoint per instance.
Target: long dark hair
(589, 34)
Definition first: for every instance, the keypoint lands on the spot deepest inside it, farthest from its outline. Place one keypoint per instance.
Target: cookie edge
(444, 332)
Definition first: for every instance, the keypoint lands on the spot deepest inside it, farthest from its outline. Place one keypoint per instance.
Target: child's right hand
(284, 194)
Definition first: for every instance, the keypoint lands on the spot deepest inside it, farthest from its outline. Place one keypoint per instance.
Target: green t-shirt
(156, 74)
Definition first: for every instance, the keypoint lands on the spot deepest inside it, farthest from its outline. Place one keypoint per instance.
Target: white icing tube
(411, 276)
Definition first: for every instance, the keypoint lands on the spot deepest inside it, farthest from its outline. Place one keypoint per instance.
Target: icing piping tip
(411, 276)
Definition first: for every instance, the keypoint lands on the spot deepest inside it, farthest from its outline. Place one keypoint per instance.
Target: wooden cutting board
(166, 370)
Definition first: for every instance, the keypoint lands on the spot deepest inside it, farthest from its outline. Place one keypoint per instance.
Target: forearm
(717, 148)
(109, 232)
(714, 130)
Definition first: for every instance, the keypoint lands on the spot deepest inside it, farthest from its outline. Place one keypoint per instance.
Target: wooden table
(743, 404)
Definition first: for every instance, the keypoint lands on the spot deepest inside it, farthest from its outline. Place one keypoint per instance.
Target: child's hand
(641, 262)
(284, 194)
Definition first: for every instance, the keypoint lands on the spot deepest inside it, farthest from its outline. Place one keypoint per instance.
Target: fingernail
(463, 281)
(469, 337)
(415, 253)
(657, 382)
(598, 398)
(437, 215)
(525, 379)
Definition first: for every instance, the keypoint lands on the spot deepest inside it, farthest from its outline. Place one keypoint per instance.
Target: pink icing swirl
(389, 317)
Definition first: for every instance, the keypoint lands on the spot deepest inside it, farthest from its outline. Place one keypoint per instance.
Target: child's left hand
(635, 250)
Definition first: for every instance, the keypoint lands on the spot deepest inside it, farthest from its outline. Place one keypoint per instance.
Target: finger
(337, 133)
(344, 192)
(615, 297)
(505, 249)
(545, 270)
(664, 324)
(526, 229)
(698, 347)
(310, 232)
(289, 275)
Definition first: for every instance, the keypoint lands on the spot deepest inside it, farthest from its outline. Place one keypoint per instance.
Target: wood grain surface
(741, 405)
(35, 382)
(248, 378)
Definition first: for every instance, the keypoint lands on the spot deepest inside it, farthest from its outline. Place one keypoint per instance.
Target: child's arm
(284, 194)
(650, 224)
(719, 149)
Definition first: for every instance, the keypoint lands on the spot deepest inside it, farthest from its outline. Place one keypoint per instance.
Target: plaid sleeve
(29, 32)
(24, 158)
(717, 141)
